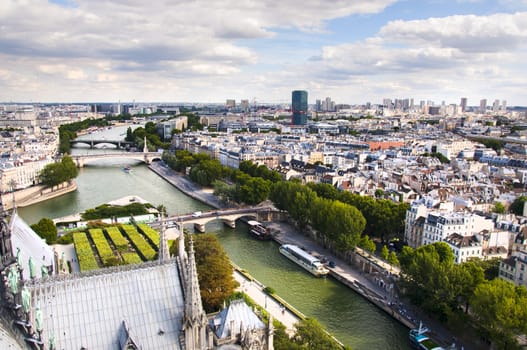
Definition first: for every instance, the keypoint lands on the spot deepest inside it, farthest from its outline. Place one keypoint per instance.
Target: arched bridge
(146, 157)
(228, 216)
(92, 143)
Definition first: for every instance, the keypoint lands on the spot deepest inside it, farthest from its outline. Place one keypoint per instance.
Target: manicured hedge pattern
(102, 246)
(149, 232)
(117, 238)
(131, 258)
(140, 244)
(84, 252)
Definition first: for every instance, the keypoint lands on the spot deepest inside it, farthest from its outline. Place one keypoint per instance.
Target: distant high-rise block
(299, 107)
(244, 104)
(230, 103)
(483, 105)
(463, 104)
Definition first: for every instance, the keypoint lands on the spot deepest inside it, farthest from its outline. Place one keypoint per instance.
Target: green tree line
(470, 291)
(313, 204)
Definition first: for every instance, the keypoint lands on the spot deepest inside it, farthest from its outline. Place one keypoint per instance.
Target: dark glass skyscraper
(299, 107)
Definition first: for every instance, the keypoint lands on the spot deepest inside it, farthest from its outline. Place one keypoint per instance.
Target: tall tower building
(496, 106)
(463, 104)
(299, 107)
(483, 106)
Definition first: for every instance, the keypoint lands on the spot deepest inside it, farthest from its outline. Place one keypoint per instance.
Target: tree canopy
(517, 206)
(54, 174)
(216, 281)
(501, 310)
(46, 229)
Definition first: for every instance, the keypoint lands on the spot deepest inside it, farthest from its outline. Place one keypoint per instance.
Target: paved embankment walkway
(277, 309)
(185, 185)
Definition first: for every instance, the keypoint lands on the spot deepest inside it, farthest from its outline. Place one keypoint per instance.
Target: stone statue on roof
(26, 299)
(39, 319)
(13, 278)
(5, 241)
(32, 268)
(51, 342)
(44, 271)
(18, 257)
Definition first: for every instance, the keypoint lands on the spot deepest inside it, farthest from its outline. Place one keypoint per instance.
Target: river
(348, 316)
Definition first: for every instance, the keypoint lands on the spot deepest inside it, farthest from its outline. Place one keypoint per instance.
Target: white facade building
(439, 226)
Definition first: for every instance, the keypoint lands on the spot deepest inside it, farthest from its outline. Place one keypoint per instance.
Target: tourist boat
(304, 259)
(258, 230)
(127, 169)
(421, 341)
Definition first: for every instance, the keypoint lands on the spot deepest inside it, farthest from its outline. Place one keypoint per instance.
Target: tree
(392, 259)
(54, 174)
(498, 208)
(129, 135)
(379, 193)
(367, 244)
(46, 229)
(385, 252)
(517, 206)
(501, 309)
(70, 169)
(324, 190)
(311, 336)
(162, 209)
(216, 282)
(426, 277)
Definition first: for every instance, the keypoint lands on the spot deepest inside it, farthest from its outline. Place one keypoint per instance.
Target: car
(196, 214)
(332, 264)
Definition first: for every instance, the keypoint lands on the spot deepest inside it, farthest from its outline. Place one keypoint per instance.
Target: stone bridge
(92, 143)
(146, 157)
(228, 216)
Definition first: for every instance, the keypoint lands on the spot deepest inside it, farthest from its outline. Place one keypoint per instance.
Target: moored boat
(304, 259)
(258, 230)
(421, 341)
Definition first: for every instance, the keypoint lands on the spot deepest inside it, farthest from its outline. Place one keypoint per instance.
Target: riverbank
(362, 282)
(37, 194)
(185, 185)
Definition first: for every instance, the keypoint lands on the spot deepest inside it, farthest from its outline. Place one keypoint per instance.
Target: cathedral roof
(89, 311)
(30, 245)
(236, 318)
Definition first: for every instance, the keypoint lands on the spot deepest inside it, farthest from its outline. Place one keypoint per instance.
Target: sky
(353, 51)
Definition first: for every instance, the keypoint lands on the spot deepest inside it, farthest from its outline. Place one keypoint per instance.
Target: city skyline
(355, 53)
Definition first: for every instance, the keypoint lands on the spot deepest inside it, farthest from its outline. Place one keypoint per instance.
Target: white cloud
(434, 57)
(210, 50)
(130, 41)
(467, 33)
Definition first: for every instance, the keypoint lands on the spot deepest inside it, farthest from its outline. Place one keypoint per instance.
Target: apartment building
(514, 269)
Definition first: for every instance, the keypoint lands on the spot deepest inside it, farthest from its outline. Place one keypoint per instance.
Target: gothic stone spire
(195, 320)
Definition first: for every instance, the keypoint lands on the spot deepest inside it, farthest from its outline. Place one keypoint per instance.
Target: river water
(348, 316)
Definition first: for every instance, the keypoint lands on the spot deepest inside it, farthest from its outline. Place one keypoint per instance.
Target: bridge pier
(229, 223)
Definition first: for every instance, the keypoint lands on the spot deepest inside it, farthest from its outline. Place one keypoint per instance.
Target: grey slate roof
(31, 245)
(88, 310)
(241, 316)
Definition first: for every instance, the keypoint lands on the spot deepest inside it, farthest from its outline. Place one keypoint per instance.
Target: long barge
(304, 259)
